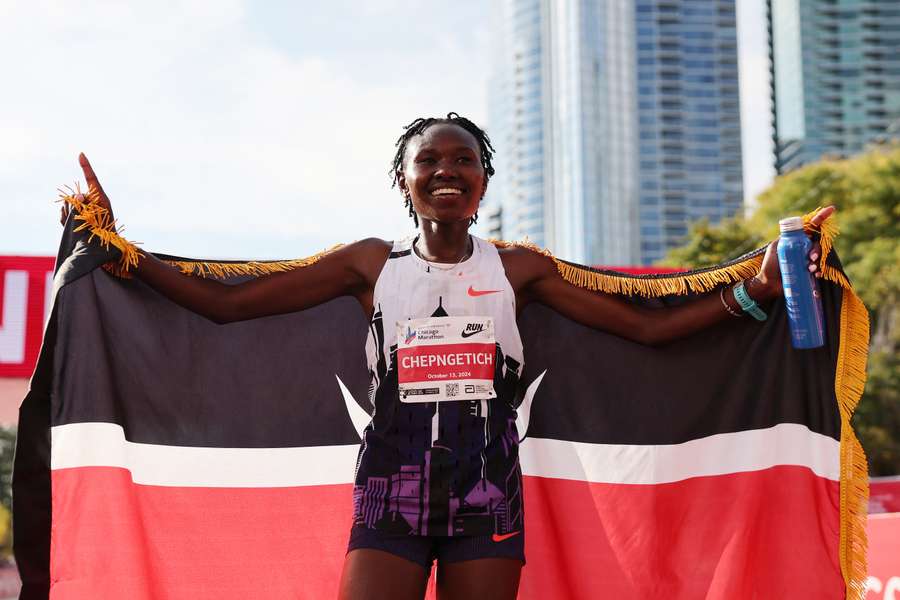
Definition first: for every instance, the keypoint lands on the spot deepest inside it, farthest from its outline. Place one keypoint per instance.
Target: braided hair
(418, 127)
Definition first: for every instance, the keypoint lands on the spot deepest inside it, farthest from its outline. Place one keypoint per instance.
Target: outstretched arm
(344, 272)
(350, 270)
(535, 278)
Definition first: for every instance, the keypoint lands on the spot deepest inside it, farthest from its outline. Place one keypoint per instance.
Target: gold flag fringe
(649, 286)
(666, 284)
(849, 382)
(97, 219)
(850, 376)
(222, 270)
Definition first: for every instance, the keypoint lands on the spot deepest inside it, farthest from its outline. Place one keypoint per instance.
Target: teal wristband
(747, 304)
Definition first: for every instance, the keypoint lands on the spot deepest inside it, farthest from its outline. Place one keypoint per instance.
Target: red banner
(883, 582)
(446, 361)
(884, 495)
(25, 286)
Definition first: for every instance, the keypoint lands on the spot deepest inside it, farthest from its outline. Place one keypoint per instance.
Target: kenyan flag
(163, 456)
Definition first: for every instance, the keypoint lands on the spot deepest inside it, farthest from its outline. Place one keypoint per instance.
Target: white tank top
(445, 468)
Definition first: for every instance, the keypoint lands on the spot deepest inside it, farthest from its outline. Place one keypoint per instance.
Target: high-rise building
(515, 197)
(835, 76)
(616, 122)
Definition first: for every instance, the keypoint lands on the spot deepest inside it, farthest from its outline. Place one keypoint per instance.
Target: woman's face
(443, 174)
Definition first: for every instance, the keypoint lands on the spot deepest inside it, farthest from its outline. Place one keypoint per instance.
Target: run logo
(472, 328)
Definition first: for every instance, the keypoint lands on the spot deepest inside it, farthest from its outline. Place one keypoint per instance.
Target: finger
(90, 176)
(815, 252)
(822, 215)
(63, 215)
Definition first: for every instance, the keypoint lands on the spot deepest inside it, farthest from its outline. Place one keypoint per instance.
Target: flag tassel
(850, 380)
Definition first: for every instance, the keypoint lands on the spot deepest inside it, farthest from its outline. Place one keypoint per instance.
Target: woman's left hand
(768, 280)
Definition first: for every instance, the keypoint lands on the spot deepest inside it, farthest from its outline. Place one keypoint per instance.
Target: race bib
(446, 358)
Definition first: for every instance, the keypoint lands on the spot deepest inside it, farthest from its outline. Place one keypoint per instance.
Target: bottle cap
(791, 224)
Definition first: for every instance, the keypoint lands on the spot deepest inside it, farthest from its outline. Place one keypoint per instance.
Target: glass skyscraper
(835, 76)
(617, 123)
(514, 204)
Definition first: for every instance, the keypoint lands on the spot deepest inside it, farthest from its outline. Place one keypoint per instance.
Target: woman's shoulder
(372, 244)
(523, 255)
(366, 256)
(362, 249)
(524, 264)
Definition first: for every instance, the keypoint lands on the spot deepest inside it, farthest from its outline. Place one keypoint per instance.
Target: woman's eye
(464, 159)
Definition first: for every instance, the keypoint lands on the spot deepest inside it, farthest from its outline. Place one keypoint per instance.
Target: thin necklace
(443, 266)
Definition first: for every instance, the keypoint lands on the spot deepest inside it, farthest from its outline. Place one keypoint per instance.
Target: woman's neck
(442, 242)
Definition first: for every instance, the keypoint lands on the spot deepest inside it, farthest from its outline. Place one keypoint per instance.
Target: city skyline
(232, 130)
(622, 120)
(835, 77)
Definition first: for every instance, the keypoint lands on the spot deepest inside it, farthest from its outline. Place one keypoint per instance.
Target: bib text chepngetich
(446, 358)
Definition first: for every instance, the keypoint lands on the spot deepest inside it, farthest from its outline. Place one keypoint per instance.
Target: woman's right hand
(94, 188)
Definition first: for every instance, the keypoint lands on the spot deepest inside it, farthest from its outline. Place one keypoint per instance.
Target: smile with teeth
(446, 192)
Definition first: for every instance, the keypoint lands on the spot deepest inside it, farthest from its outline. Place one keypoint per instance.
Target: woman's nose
(446, 169)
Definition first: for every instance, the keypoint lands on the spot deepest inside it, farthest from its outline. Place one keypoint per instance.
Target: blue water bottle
(801, 290)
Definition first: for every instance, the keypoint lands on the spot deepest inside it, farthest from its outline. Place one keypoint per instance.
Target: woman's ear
(401, 183)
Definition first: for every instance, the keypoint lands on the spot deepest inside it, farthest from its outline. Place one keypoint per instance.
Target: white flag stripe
(104, 445)
(721, 454)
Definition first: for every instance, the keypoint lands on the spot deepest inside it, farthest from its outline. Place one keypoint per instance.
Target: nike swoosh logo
(475, 293)
(466, 334)
(505, 536)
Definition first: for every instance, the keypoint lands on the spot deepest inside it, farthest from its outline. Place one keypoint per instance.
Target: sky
(238, 129)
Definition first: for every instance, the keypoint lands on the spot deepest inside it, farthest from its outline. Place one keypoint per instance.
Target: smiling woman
(438, 476)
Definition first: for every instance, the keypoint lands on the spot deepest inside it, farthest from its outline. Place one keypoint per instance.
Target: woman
(444, 355)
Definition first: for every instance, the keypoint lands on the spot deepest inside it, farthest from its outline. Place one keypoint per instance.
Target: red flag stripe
(765, 534)
(104, 444)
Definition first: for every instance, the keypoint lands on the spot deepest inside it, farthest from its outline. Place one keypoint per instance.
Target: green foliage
(876, 272)
(713, 244)
(877, 418)
(7, 449)
(866, 192)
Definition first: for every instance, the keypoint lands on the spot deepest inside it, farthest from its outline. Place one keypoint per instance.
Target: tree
(866, 191)
(7, 449)
(712, 244)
